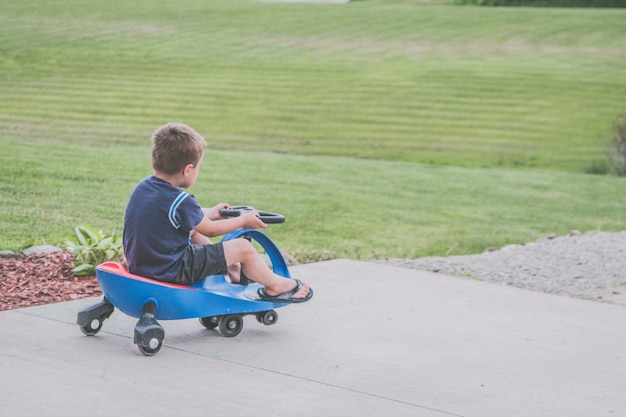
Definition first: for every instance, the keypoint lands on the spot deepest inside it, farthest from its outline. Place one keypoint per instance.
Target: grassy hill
(380, 127)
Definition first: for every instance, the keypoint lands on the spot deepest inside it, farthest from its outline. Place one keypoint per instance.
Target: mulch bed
(42, 279)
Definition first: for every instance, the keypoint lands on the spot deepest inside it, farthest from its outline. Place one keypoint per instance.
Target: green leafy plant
(92, 247)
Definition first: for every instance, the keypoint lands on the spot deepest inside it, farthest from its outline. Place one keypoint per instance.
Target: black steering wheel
(265, 216)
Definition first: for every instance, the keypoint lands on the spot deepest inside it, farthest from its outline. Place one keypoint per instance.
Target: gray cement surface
(375, 340)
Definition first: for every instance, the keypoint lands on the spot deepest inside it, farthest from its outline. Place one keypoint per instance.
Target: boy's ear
(187, 169)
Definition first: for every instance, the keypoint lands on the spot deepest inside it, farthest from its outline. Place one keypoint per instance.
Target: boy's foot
(298, 294)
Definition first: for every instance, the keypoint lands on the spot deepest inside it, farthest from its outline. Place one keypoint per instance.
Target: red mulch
(42, 279)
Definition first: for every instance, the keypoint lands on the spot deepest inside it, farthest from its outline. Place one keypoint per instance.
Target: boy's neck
(176, 180)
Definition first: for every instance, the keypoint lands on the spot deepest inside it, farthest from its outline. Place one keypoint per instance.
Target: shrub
(545, 3)
(616, 151)
(597, 167)
(92, 247)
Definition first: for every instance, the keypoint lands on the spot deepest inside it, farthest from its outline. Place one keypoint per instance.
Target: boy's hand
(251, 220)
(213, 213)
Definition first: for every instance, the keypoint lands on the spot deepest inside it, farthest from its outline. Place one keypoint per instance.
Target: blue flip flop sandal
(286, 297)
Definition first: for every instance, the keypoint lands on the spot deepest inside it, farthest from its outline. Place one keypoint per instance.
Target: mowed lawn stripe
(532, 90)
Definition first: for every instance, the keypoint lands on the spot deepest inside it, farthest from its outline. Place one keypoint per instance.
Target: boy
(166, 232)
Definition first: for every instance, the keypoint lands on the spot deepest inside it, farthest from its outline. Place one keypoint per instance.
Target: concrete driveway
(375, 340)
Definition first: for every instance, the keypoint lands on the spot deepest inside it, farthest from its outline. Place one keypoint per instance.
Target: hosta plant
(92, 247)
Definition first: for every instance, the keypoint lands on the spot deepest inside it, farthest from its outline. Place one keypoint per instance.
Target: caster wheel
(92, 327)
(153, 349)
(209, 322)
(230, 326)
(149, 334)
(267, 317)
(90, 319)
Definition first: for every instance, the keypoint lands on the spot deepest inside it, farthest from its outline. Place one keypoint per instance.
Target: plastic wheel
(230, 326)
(153, 349)
(209, 322)
(267, 317)
(92, 327)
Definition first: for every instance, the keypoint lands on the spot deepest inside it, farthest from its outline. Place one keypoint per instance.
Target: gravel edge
(589, 266)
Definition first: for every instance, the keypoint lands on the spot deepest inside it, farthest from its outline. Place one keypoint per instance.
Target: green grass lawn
(334, 205)
(380, 128)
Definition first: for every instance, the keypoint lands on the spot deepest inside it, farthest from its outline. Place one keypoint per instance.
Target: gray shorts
(200, 261)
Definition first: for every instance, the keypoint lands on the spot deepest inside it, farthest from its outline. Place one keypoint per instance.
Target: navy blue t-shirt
(158, 219)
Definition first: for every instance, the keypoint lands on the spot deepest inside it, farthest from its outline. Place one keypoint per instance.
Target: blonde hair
(175, 146)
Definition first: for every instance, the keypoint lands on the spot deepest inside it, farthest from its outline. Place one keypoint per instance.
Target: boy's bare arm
(211, 228)
(213, 213)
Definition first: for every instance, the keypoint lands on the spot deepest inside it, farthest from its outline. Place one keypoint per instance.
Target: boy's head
(174, 146)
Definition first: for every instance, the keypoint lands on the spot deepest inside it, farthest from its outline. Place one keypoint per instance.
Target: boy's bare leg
(242, 251)
(234, 272)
